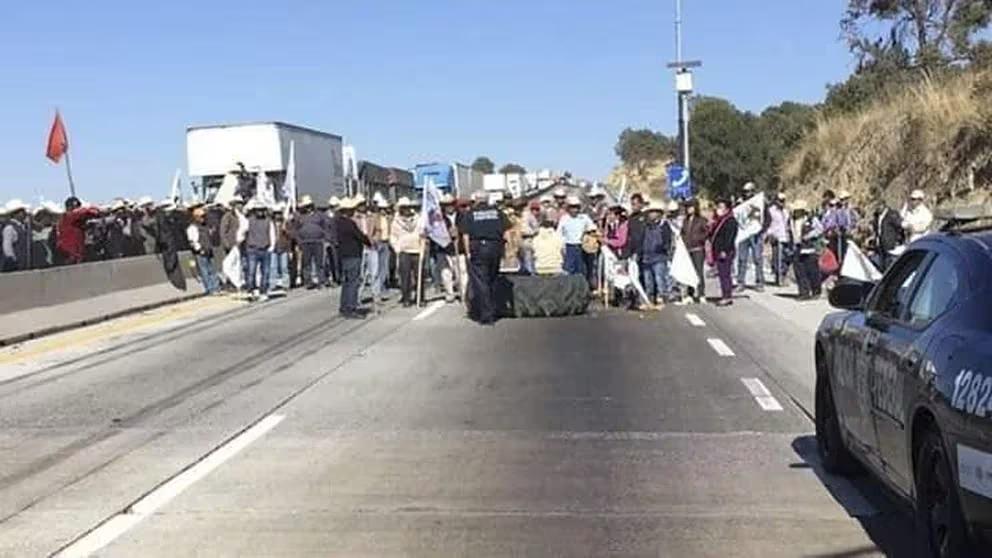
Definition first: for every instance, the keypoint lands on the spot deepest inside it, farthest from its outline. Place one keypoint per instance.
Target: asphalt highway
(280, 430)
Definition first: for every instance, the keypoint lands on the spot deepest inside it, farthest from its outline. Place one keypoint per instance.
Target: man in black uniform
(483, 228)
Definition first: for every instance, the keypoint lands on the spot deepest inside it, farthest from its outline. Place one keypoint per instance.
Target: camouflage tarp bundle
(539, 297)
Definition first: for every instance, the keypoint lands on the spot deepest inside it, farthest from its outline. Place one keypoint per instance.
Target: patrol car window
(893, 296)
(936, 292)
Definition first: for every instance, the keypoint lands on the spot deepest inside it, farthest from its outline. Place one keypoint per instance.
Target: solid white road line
(434, 307)
(720, 347)
(147, 505)
(761, 394)
(695, 320)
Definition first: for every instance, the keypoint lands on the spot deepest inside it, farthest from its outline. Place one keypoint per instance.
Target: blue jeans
(383, 275)
(575, 262)
(258, 261)
(657, 283)
(527, 266)
(751, 249)
(351, 277)
(208, 276)
(278, 270)
(370, 270)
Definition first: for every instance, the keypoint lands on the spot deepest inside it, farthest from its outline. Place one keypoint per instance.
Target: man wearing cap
(351, 242)
(778, 236)
(572, 227)
(199, 243)
(311, 229)
(72, 230)
(16, 240)
(655, 253)
(483, 229)
(805, 233)
(916, 216)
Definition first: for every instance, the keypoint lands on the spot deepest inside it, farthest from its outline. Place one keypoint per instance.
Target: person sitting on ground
(549, 250)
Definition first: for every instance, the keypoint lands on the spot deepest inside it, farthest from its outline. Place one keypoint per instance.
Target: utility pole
(683, 88)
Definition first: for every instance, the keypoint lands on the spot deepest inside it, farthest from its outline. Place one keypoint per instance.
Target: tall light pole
(683, 88)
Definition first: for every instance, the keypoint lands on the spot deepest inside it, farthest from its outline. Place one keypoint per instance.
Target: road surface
(280, 430)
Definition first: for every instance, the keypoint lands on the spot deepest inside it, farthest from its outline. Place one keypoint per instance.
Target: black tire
(938, 510)
(834, 455)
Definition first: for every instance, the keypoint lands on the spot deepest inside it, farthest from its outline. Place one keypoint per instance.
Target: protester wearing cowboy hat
(260, 241)
(405, 239)
(655, 253)
(312, 230)
(916, 216)
(572, 226)
(198, 236)
(16, 240)
(381, 246)
(351, 242)
(806, 231)
(839, 221)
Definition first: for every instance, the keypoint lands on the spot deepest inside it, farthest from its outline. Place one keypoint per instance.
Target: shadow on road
(887, 522)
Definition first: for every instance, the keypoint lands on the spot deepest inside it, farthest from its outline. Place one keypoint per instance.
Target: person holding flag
(435, 230)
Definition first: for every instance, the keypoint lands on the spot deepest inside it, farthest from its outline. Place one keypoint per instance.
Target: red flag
(58, 141)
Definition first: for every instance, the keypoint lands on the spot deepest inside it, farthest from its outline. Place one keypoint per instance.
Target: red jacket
(71, 237)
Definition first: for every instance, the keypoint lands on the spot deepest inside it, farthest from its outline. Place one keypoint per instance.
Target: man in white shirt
(572, 227)
(916, 216)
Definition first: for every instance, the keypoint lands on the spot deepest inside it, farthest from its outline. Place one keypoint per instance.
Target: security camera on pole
(683, 89)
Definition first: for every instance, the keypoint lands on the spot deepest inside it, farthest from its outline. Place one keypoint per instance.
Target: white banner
(231, 267)
(682, 269)
(435, 225)
(857, 266)
(750, 215)
(289, 186)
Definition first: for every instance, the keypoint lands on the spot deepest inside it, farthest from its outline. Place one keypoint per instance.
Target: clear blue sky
(546, 83)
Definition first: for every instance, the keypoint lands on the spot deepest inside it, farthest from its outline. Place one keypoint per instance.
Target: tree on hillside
(483, 164)
(780, 129)
(638, 149)
(932, 32)
(512, 168)
(727, 148)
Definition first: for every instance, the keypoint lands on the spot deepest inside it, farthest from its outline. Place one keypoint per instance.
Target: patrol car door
(899, 359)
(888, 339)
(848, 366)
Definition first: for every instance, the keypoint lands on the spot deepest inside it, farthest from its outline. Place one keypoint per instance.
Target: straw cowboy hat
(560, 193)
(749, 187)
(800, 205)
(306, 201)
(447, 199)
(844, 195)
(546, 199)
(118, 205)
(359, 200)
(348, 203)
(673, 205)
(334, 201)
(405, 202)
(254, 204)
(145, 201)
(15, 205)
(656, 205)
(573, 201)
(917, 195)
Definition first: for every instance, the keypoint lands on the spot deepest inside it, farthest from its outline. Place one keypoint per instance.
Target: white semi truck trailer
(216, 154)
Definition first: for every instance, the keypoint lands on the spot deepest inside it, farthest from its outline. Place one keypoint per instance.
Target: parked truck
(455, 178)
(229, 154)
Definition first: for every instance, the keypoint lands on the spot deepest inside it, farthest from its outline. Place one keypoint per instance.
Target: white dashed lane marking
(695, 320)
(761, 394)
(119, 524)
(426, 312)
(720, 347)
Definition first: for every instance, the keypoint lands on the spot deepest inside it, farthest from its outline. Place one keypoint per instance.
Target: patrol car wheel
(834, 455)
(938, 511)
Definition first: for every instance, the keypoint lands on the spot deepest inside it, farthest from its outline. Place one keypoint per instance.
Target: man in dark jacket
(723, 238)
(351, 242)
(635, 226)
(311, 229)
(654, 254)
(889, 234)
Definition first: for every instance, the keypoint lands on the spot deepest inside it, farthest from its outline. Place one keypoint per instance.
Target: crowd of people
(371, 247)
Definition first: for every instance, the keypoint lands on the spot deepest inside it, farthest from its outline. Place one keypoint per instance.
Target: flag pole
(68, 173)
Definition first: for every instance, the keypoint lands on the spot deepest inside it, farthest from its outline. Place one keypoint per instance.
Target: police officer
(483, 227)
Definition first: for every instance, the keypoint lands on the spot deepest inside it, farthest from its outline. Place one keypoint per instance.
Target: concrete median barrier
(35, 303)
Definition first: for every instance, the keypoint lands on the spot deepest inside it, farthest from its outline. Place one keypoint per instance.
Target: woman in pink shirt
(616, 230)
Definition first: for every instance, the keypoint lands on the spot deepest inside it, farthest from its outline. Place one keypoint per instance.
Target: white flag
(435, 225)
(857, 266)
(682, 269)
(231, 267)
(747, 224)
(289, 186)
(176, 193)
